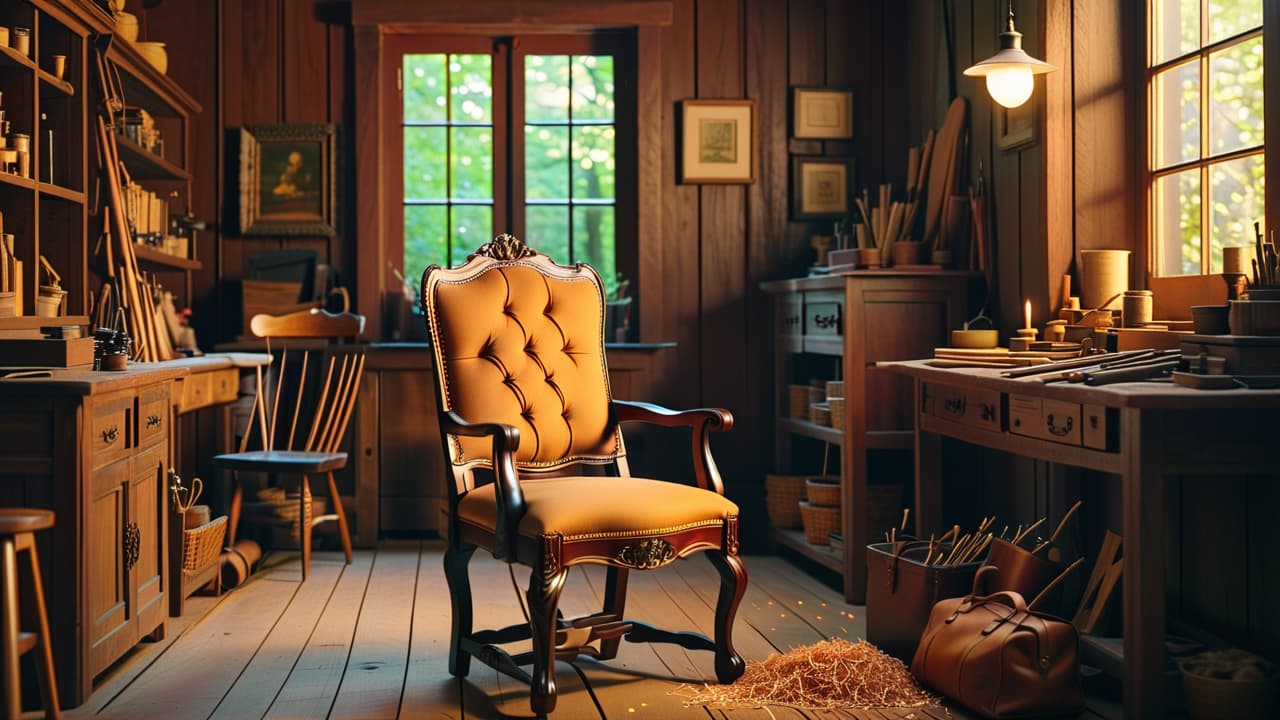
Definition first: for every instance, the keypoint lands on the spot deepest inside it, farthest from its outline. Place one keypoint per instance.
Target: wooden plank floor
(370, 640)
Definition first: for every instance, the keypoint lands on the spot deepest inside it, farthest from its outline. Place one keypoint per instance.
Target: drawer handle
(987, 411)
(110, 435)
(1058, 430)
(132, 545)
(153, 421)
(826, 321)
(955, 406)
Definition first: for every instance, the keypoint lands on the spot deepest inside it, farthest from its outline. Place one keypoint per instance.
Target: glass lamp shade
(1011, 85)
(1011, 72)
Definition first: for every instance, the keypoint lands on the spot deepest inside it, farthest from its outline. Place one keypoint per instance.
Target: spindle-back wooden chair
(321, 385)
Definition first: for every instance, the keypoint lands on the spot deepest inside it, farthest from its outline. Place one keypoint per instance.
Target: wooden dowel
(317, 419)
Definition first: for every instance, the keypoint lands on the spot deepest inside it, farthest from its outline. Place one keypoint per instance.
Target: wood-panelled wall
(273, 61)
(247, 62)
(1075, 187)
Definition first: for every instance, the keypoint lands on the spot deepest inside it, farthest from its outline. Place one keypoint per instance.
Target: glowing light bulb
(1010, 85)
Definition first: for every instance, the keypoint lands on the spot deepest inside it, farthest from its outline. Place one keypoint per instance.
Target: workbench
(1143, 433)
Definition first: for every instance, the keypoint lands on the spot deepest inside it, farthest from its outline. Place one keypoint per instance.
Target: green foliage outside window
(568, 161)
(1230, 122)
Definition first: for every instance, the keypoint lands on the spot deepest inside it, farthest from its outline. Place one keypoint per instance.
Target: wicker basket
(782, 496)
(823, 491)
(799, 397)
(820, 413)
(202, 545)
(835, 389)
(837, 412)
(819, 522)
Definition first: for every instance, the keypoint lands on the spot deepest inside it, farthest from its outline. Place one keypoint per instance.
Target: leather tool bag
(902, 590)
(997, 656)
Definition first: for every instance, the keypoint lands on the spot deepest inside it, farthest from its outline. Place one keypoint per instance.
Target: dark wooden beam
(502, 16)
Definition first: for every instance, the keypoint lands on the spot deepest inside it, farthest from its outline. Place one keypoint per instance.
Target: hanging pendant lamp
(1011, 72)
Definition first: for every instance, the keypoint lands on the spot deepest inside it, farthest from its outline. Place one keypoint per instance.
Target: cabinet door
(146, 499)
(109, 614)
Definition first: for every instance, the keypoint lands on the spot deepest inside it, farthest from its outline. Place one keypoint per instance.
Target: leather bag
(997, 656)
(902, 590)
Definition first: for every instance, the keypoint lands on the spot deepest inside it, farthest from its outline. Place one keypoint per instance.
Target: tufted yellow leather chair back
(520, 341)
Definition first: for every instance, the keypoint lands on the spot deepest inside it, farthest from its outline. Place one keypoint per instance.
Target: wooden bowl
(1210, 319)
(971, 339)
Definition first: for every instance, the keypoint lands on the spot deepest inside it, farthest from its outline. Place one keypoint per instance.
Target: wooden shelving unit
(163, 171)
(837, 327)
(46, 210)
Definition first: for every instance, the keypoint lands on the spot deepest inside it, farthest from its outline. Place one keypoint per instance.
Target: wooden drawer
(1097, 428)
(110, 436)
(975, 407)
(224, 385)
(824, 314)
(153, 417)
(197, 389)
(1051, 420)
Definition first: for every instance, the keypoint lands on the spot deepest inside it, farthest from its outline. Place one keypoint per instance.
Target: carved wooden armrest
(507, 493)
(702, 422)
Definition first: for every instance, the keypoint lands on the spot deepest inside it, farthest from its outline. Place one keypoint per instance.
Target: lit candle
(1028, 306)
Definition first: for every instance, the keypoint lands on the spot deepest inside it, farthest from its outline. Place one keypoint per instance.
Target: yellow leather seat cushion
(584, 507)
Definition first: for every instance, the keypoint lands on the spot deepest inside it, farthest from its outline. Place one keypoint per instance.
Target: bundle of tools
(957, 548)
(1266, 263)
(124, 284)
(1105, 368)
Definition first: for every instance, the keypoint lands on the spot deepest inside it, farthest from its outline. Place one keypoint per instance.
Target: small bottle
(1137, 307)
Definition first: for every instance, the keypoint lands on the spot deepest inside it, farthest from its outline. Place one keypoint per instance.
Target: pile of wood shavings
(828, 675)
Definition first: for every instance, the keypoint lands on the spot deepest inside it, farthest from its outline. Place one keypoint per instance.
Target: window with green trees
(1205, 74)
(523, 140)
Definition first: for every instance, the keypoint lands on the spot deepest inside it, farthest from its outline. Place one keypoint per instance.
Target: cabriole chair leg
(455, 573)
(544, 597)
(733, 583)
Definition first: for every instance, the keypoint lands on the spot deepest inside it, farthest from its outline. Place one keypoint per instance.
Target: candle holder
(1022, 343)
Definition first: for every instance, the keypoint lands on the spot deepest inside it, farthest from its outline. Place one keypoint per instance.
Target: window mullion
(1206, 192)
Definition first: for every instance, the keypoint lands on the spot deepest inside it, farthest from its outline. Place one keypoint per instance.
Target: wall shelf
(821, 554)
(146, 165)
(154, 260)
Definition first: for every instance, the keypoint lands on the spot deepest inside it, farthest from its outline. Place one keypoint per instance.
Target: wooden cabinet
(837, 328)
(91, 447)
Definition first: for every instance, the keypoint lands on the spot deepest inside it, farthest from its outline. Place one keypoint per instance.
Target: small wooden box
(46, 352)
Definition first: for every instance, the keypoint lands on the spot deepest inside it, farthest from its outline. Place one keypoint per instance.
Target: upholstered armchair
(538, 466)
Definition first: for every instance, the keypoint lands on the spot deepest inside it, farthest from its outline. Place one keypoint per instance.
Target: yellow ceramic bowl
(154, 53)
(974, 339)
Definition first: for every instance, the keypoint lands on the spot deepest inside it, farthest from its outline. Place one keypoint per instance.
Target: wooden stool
(16, 528)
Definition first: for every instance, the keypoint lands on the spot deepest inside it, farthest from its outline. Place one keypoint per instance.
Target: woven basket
(819, 522)
(799, 400)
(823, 491)
(837, 412)
(820, 413)
(782, 495)
(835, 389)
(202, 545)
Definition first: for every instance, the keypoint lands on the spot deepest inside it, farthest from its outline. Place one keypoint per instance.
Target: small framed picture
(820, 187)
(288, 180)
(822, 113)
(717, 141)
(1016, 128)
